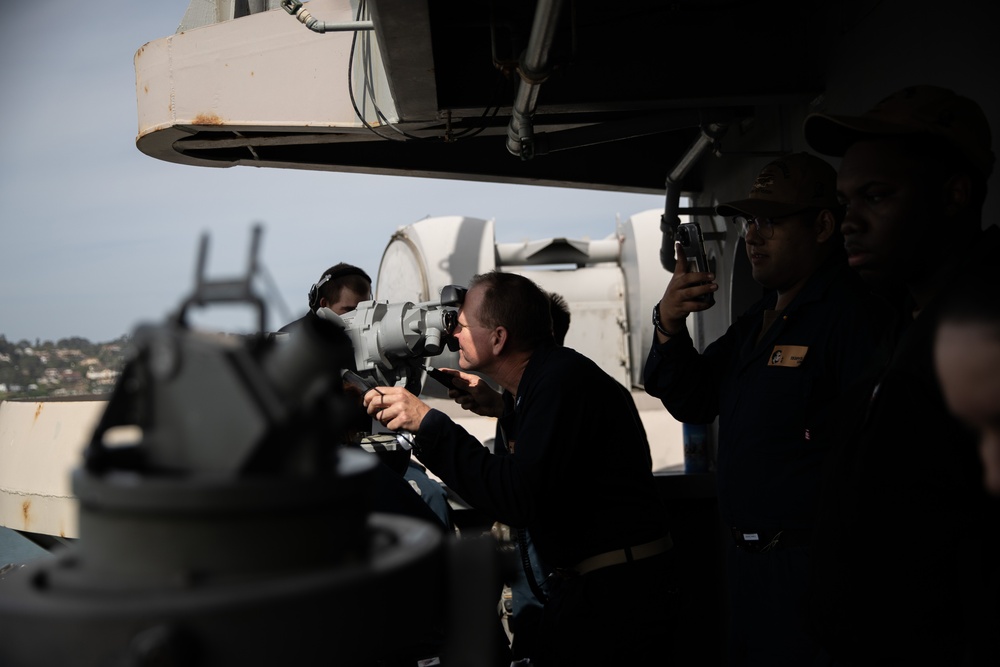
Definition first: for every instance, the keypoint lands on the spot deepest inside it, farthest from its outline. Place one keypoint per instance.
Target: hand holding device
(693, 246)
(446, 379)
(471, 392)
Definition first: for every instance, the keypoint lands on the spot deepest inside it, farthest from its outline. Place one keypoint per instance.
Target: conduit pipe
(670, 219)
(295, 8)
(533, 70)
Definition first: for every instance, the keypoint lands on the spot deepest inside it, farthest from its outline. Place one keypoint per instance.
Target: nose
(752, 235)
(852, 223)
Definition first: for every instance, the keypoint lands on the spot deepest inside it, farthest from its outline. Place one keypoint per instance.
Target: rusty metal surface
(40, 443)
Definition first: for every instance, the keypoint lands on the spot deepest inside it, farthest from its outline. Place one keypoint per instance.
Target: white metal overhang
(580, 94)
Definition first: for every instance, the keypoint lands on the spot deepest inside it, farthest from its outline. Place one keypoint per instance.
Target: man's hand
(680, 297)
(473, 393)
(395, 408)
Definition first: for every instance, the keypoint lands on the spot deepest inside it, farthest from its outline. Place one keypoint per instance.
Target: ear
(957, 194)
(825, 226)
(498, 340)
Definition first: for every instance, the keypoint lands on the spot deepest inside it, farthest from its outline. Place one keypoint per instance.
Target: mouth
(857, 255)
(858, 260)
(756, 257)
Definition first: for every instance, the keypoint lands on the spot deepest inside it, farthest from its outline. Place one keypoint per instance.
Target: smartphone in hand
(447, 379)
(693, 246)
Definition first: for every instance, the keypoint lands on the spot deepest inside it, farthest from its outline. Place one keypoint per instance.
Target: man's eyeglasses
(763, 226)
(459, 326)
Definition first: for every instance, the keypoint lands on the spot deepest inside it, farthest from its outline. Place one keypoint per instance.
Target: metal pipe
(671, 208)
(295, 8)
(350, 26)
(533, 71)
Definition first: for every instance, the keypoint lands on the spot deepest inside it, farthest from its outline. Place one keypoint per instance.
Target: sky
(97, 237)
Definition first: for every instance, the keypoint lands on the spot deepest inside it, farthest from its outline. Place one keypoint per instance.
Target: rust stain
(38, 412)
(207, 119)
(26, 512)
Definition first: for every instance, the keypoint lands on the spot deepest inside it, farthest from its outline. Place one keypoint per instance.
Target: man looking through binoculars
(610, 542)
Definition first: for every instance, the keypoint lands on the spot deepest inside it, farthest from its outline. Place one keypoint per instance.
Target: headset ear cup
(313, 297)
(335, 275)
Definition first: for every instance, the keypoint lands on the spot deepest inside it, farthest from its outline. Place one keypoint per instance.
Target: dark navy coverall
(775, 401)
(580, 480)
(907, 562)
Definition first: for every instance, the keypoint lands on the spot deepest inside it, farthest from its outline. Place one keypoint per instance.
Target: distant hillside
(68, 367)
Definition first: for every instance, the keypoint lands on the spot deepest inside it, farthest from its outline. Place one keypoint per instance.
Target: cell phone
(361, 384)
(446, 379)
(693, 246)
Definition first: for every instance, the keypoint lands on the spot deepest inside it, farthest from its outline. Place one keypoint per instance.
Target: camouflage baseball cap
(788, 185)
(913, 110)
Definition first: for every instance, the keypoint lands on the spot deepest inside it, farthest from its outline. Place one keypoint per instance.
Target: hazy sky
(98, 237)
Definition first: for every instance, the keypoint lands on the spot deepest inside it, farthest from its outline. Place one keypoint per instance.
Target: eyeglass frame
(747, 221)
(457, 329)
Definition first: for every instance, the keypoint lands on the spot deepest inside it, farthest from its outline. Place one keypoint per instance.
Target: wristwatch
(658, 324)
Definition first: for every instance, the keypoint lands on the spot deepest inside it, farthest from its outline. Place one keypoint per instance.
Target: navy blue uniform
(579, 478)
(774, 413)
(775, 402)
(908, 542)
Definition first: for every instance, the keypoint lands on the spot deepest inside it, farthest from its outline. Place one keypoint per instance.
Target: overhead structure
(554, 92)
